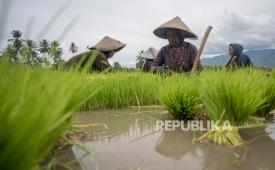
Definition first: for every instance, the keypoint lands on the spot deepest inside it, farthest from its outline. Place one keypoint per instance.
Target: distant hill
(260, 58)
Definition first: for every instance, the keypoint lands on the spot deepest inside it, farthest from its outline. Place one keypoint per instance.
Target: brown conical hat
(175, 24)
(108, 44)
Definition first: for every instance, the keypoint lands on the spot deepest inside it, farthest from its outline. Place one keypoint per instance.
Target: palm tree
(55, 52)
(29, 53)
(9, 53)
(44, 48)
(17, 42)
(117, 65)
(73, 48)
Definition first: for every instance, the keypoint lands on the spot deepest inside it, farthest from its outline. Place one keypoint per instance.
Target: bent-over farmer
(102, 51)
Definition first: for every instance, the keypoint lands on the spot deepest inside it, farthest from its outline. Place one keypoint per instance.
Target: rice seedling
(223, 133)
(269, 94)
(239, 93)
(224, 136)
(36, 106)
(272, 73)
(180, 95)
(123, 89)
(231, 96)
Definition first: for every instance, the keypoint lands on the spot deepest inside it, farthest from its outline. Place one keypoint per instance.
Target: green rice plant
(145, 87)
(36, 106)
(223, 133)
(122, 89)
(268, 87)
(114, 93)
(180, 95)
(239, 93)
(224, 136)
(231, 96)
(273, 73)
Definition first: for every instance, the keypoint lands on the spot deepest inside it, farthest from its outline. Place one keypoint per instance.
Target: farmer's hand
(158, 69)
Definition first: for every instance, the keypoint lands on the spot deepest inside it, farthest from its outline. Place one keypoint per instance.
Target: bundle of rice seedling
(231, 96)
(180, 95)
(239, 93)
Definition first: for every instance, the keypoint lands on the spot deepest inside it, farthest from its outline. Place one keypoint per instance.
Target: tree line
(44, 53)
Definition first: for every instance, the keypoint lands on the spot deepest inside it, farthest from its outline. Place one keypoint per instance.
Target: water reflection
(258, 153)
(270, 130)
(176, 144)
(117, 124)
(126, 139)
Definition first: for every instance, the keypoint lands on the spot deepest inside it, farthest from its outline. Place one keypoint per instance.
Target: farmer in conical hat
(178, 55)
(102, 51)
(237, 57)
(149, 57)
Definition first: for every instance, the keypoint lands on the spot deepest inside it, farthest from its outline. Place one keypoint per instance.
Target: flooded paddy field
(128, 139)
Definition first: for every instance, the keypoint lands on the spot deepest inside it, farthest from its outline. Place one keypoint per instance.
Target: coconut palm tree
(55, 52)
(44, 48)
(73, 48)
(30, 54)
(9, 53)
(17, 43)
(117, 65)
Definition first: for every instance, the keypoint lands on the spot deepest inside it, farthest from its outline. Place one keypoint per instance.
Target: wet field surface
(128, 139)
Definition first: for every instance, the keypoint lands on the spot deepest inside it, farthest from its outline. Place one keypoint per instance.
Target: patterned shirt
(177, 59)
(147, 65)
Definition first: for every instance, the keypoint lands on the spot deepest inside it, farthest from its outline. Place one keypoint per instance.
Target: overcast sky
(85, 22)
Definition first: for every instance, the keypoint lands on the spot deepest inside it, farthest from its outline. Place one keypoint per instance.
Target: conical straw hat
(151, 53)
(175, 24)
(108, 44)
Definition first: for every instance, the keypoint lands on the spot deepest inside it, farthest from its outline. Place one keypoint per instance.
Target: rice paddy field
(54, 119)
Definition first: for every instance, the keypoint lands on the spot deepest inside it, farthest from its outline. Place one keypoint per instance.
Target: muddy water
(127, 139)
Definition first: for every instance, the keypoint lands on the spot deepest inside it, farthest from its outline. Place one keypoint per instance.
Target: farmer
(149, 57)
(178, 55)
(237, 57)
(101, 52)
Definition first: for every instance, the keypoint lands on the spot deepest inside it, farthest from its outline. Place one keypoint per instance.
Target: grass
(180, 95)
(239, 93)
(242, 93)
(36, 106)
(235, 97)
(269, 94)
(122, 89)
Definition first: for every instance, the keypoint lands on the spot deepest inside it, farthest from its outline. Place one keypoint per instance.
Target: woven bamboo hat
(151, 53)
(175, 24)
(108, 44)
